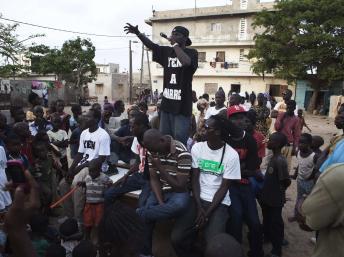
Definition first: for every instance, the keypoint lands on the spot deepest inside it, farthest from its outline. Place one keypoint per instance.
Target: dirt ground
(299, 241)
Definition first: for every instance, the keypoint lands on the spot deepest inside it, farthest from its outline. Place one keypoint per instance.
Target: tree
(301, 39)
(73, 63)
(11, 48)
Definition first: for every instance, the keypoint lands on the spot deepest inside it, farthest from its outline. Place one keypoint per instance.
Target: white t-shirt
(137, 149)
(212, 111)
(282, 107)
(5, 197)
(208, 161)
(94, 144)
(58, 136)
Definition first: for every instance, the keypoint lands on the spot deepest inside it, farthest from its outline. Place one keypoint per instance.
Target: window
(243, 4)
(210, 88)
(120, 84)
(242, 29)
(98, 70)
(235, 88)
(215, 27)
(202, 56)
(220, 56)
(99, 89)
(242, 56)
(276, 90)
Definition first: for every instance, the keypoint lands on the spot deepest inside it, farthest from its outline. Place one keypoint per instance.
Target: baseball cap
(185, 32)
(235, 109)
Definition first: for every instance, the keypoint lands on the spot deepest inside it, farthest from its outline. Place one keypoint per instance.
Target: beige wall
(249, 84)
(205, 39)
(106, 80)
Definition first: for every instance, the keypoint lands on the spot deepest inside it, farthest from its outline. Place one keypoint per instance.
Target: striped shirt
(177, 162)
(95, 188)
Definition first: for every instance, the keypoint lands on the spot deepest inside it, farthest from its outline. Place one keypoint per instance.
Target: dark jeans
(118, 152)
(175, 125)
(134, 182)
(244, 208)
(185, 233)
(174, 205)
(273, 227)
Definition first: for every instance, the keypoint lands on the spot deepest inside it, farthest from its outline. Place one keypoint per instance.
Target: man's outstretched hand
(130, 29)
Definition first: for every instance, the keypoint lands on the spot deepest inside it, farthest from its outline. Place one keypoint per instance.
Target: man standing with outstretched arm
(179, 63)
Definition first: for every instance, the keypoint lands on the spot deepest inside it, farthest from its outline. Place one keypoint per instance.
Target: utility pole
(142, 57)
(149, 73)
(130, 74)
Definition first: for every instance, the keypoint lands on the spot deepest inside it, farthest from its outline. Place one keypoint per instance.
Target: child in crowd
(73, 120)
(305, 171)
(21, 129)
(45, 174)
(85, 249)
(59, 138)
(70, 235)
(273, 193)
(75, 136)
(13, 146)
(39, 123)
(317, 142)
(60, 105)
(96, 183)
(302, 120)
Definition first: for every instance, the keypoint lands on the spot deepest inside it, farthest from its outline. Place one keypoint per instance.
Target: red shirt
(260, 143)
(290, 127)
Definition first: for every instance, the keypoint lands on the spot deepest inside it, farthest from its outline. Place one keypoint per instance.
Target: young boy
(60, 105)
(59, 138)
(73, 120)
(13, 147)
(273, 193)
(304, 174)
(302, 120)
(96, 183)
(39, 123)
(75, 136)
(317, 142)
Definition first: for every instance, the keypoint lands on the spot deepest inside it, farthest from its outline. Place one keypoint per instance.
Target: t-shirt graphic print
(177, 88)
(212, 171)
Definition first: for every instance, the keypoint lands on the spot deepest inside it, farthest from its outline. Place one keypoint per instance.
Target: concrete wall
(105, 90)
(120, 87)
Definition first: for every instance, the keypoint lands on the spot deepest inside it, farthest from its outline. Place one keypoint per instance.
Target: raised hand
(130, 29)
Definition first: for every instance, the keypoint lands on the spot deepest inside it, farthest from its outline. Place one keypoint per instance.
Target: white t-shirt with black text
(211, 172)
(94, 144)
(138, 149)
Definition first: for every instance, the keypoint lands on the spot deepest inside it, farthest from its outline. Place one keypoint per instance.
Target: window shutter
(242, 29)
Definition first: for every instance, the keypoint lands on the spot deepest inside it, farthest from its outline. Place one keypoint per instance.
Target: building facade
(109, 83)
(223, 36)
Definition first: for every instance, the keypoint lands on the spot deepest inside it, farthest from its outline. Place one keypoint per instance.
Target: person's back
(223, 245)
(324, 209)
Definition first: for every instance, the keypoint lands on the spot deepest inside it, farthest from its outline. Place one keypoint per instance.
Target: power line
(64, 30)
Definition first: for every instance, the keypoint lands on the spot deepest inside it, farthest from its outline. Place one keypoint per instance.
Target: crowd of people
(206, 166)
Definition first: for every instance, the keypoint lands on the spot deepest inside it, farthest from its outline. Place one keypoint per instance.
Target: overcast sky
(92, 16)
